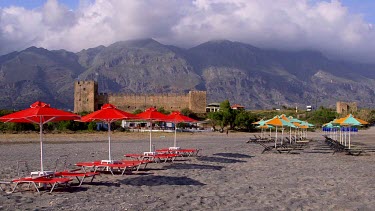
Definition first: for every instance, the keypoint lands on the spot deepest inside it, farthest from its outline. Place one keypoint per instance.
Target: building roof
(237, 106)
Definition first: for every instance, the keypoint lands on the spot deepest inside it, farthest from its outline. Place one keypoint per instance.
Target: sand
(228, 174)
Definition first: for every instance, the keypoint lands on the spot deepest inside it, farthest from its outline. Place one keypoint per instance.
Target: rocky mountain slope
(254, 77)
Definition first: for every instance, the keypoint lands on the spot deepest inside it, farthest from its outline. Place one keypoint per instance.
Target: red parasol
(177, 117)
(108, 114)
(39, 113)
(151, 114)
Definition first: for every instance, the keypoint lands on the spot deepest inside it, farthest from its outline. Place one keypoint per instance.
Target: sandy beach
(228, 174)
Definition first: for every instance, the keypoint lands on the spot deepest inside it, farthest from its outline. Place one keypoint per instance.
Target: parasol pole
(175, 134)
(109, 141)
(270, 132)
(290, 135)
(349, 135)
(276, 138)
(41, 145)
(150, 136)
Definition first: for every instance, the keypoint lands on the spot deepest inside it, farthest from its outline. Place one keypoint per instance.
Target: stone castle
(87, 98)
(345, 107)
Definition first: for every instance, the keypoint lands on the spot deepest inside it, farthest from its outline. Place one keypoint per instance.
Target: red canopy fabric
(39, 113)
(108, 113)
(177, 117)
(153, 115)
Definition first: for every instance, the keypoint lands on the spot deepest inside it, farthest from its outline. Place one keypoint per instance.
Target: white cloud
(285, 24)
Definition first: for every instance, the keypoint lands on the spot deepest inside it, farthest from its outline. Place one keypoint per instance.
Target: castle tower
(197, 101)
(85, 94)
(346, 107)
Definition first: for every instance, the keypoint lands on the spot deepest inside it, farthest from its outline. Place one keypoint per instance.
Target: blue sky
(365, 7)
(340, 29)
(31, 4)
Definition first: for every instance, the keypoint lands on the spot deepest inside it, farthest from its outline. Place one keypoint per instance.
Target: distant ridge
(242, 73)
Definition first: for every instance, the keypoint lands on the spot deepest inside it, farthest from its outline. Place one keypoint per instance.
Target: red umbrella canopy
(39, 113)
(176, 116)
(152, 114)
(108, 113)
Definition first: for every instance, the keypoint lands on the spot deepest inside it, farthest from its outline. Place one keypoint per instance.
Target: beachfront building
(213, 107)
(238, 107)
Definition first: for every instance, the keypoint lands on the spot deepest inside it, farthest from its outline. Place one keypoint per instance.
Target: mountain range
(253, 77)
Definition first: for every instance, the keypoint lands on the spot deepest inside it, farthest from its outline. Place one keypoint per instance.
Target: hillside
(244, 74)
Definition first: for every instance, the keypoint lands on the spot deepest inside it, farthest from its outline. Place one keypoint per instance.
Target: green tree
(162, 110)
(244, 120)
(189, 113)
(224, 117)
(215, 119)
(228, 114)
(138, 111)
(321, 116)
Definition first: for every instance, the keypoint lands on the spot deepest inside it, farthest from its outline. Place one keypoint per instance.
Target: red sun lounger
(77, 175)
(53, 182)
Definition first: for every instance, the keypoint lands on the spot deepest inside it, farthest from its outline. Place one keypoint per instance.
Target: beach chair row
(285, 147)
(61, 176)
(338, 147)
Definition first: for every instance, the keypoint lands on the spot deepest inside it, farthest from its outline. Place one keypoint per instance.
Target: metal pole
(41, 145)
(276, 138)
(150, 136)
(349, 136)
(175, 134)
(290, 135)
(109, 141)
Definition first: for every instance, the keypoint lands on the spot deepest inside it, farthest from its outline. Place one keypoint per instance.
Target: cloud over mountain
(289, 24)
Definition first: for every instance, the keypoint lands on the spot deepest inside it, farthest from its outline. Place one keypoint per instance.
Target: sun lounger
(36, 181)
(5, 183)
(158, 157)
(120, 166)
(76, 173)
(266, 148)
(80, 176)
(338, 147)
(285, 149)
(181, 152)
(52, 181)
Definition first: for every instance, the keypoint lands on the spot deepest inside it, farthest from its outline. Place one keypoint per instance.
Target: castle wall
(133, 102)
(101, 99)
(87, 98)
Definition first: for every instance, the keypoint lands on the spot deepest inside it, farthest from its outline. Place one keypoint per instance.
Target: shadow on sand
(219, 160)
(151, 180)
(233, 155)
(193, 166)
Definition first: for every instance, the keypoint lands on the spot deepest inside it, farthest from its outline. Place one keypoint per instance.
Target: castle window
(84, 89)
